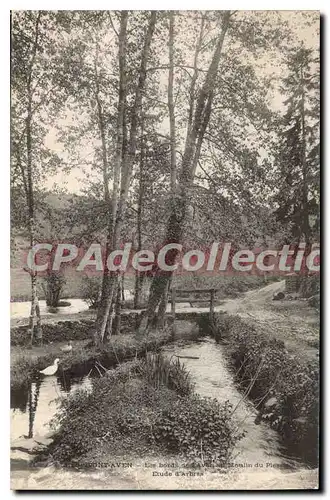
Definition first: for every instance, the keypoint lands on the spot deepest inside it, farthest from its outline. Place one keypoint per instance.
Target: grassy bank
(27, 362)
(144, 407)
(283, 386)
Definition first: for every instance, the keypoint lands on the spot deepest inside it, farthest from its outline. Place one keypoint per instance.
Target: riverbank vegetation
(284, 387)
(85, 356)
(142, 407)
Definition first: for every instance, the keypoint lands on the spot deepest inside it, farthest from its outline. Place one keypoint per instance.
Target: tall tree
(201, 115)
(36, 86)
(298, 151)
(125, 159)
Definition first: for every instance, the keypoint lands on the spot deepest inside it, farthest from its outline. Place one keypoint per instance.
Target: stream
(33, 408)
(212, 378)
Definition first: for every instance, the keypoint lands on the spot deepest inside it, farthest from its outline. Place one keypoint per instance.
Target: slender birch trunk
(109, 281)
(35, 309)
(102, 130)
(124, 160)
(171, 112)
(139, 275)
(117, 318)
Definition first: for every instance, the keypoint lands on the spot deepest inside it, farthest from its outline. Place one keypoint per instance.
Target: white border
(168, 5)
(4, 184)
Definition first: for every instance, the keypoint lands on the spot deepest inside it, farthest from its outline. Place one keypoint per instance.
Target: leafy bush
(52, 286)
(270, 375)
(67, 330)
(158, 372)
(91, 287)
(200, 428)
(310, 285)
(125, 371)
(115, 414)
(125, 414)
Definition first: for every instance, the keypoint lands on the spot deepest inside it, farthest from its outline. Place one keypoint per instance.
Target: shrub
(125, 371)
(158, 372)
(125, 414)
(69, 330)
(310, 285)
(54, 332)
(91, 287)
(115, 414)
(315, 301)
(52, 286)
(200, 428)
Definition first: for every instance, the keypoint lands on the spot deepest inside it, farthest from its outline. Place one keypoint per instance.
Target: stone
(270, 402)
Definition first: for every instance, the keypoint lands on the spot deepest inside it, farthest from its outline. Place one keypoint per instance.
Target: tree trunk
(162, 307)
(171, 103)
(161, 280)
(117, 319)
(123, 288)
(305, 217)
(109, 280)
(102, 130)
(190, 159)
(111, 317)
(30, 194)
(194, 80)
(35, 309)
(139, 279)
(125, 160)
(139, 275)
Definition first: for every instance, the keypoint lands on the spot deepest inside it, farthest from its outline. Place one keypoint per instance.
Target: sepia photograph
(164, 250)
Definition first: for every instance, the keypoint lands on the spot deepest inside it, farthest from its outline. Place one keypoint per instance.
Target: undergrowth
(83, 358)
(144, 406)
(284, 388)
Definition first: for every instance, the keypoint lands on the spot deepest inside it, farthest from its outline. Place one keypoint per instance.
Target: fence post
(212, 292)
(173, 302)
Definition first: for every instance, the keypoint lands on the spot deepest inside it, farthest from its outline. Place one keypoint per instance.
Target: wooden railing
(176, 296)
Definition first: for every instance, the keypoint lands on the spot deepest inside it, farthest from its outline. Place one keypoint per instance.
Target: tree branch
(113, 27)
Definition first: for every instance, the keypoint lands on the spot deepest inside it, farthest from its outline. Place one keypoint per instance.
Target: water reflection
(19, 398)
(34, 392)
(33, 406)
